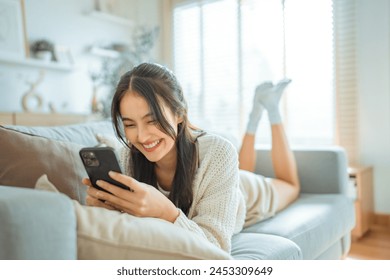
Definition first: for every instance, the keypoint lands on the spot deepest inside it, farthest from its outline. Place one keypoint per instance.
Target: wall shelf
(104, 52)
(112, 18)
(31, 62)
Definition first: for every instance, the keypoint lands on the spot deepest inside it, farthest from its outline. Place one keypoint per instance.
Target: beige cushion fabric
(260, 197)
(106, 234)
(24, 158)
(108, 140)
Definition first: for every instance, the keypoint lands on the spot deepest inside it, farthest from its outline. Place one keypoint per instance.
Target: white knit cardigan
(218, 208)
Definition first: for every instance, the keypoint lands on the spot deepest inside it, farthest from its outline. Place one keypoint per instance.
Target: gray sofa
(42, 225)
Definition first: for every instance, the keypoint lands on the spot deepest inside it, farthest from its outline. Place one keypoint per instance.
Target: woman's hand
(142, 201)
(92, 200)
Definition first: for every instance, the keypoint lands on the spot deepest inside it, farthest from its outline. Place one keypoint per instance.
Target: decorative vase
(44, 55)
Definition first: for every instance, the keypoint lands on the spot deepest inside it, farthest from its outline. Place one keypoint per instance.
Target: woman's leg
(247, 155)
(286, 182)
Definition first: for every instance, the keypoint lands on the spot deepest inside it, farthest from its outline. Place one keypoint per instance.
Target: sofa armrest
(36, 224)
(321, 170)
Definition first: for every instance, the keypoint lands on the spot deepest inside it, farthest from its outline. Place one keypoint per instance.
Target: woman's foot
(257, 108)
(269, 97)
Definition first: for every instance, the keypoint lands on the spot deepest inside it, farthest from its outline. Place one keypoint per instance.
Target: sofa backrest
(83, 134)
(321, 170)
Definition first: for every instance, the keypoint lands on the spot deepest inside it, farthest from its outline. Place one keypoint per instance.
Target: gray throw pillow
(24, 158)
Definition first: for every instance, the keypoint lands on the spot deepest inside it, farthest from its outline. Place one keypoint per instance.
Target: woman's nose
(142, 134)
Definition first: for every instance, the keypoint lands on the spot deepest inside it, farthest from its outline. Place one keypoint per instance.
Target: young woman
(190, 178)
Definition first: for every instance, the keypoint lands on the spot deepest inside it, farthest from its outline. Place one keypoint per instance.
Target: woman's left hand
(142, 201)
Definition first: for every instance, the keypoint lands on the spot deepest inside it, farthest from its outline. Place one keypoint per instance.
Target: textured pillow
(109, 141)
(106, 234)
(24, 158)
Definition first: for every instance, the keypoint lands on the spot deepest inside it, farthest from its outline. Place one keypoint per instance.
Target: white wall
(374, 95)
(67, 23)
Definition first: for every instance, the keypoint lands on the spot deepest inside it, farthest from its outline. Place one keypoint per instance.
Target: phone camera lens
(90, 159)
(89, 155)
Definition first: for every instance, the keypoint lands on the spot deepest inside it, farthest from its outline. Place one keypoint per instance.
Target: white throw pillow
(106, 234)
(109, 140)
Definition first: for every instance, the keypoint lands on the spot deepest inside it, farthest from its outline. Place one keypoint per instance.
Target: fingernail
(98, 182)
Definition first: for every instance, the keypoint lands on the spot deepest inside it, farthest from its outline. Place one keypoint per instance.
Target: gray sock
(257, 109)
(270, 98)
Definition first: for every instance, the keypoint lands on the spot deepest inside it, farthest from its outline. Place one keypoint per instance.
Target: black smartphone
(98, 161)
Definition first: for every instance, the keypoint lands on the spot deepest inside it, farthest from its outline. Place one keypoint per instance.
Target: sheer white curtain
(224, 48)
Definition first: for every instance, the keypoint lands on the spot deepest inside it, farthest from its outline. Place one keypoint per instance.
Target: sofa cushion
(24, 158)
(314, 222)
(107, 234)
(36, 225)
(257, 246)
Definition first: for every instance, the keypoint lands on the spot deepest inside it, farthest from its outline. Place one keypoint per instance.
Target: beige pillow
(106, 234)
(109, 141)
(24, 158)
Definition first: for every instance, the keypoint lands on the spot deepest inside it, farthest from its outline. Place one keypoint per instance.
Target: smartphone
(98, 161)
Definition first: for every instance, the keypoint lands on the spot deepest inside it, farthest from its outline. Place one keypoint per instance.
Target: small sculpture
(31, 96)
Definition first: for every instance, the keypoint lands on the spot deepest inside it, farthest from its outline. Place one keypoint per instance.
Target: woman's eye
(128, 125)
(152, 122)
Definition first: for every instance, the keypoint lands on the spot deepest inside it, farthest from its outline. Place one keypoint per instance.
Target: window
(224, 48)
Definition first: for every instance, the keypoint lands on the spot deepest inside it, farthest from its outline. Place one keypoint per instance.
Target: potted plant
(43, 49)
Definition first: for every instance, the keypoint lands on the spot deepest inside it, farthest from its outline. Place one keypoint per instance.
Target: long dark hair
(154, 82)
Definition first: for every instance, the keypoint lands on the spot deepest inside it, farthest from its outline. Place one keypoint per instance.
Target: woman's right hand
(142, 201)
(91, 200)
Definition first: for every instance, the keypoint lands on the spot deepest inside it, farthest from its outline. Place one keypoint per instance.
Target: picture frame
(12, 31)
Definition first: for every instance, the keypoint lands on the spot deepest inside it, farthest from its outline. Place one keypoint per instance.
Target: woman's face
(141, 129)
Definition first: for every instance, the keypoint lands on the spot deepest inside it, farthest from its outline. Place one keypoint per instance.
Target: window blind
(346, 77)
(224, 48)
(206, 62)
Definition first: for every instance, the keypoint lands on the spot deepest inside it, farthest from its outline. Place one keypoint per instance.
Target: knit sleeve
(216, 196)
(124, 160)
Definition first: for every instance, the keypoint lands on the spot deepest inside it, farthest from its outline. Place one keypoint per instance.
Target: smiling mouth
(151, 145)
